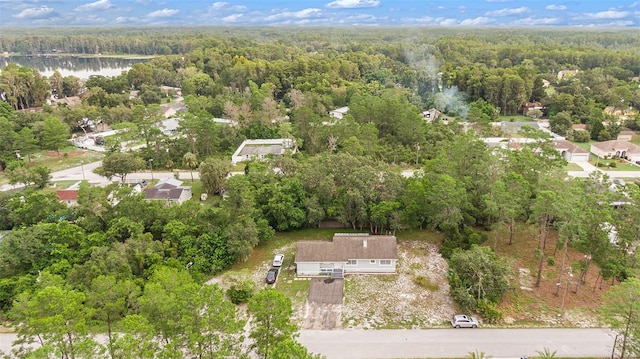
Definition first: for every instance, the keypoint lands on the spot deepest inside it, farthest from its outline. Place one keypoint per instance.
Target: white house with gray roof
(262, 149)
(348, 253)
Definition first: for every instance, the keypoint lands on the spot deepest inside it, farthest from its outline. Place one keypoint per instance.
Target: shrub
(426, 283)
(613, 164)
(241, 292)
(551, 261)
(490, 312)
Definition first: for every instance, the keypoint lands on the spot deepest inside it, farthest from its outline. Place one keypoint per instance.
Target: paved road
(445, 343)
(457, 343)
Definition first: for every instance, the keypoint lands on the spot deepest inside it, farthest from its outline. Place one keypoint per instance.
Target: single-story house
(348, 253)
(339, 112)
(570, 151)
(262, 149)
(68, 196)
(528, 106)
(169, 126)
(625, 135)
(431, 114)
(616, 149)
(169, 190)
(567, 74)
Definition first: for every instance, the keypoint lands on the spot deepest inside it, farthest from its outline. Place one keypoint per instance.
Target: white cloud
(446, 22)
(302, 14)
(218, 5)
(162, 13)
(508, 11)
(609, 14)
(555, 7)
(126, 20)
(224, 6)
(531, 21)
(477, 21)
(634, 4)
(35, 13)
(499, 0)
(95, 6)
(231, 18)
(352, 4)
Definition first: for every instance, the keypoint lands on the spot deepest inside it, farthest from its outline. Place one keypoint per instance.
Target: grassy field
(67, 158)
(572, 167)
(515, 119)
(620, 165)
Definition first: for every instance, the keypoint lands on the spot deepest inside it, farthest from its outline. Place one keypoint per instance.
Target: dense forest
(280, 83)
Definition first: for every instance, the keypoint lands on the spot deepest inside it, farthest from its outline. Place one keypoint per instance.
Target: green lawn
(620, 165)
(515, 119)
(69, 157)
(586, 145)
(572, 167)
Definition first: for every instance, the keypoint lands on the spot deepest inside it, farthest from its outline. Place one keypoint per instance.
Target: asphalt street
(457, 343)
(445, 343)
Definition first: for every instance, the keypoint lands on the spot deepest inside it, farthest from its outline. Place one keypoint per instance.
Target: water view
(81, 67)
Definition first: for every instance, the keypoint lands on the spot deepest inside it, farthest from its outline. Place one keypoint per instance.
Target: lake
(81, 67)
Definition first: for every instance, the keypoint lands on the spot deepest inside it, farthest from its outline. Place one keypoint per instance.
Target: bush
(580, 136)
(490, 312)
(426, 283)
(551, 261)
(613, 164)
(241, 292)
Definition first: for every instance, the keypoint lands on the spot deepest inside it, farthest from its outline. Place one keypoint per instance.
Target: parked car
(277, 260)
(464, 321)
(272, 274)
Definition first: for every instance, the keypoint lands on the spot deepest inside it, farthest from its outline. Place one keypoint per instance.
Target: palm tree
(191, 161)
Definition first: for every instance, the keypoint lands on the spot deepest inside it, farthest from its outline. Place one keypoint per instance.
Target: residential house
(169, 190)
(262, 149)
(570, 151)
(224, 121)
(625, 135)
(565, 74)
(169, 126)
(68, 196)
(528, 106)
(431, 114)
(348, 253)
(339, 112)
(616, 149)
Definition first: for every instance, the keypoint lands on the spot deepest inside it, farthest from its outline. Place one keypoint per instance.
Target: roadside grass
(620, 165)
(69, 157)
(63, 184)
(572, 167)
(517, 118)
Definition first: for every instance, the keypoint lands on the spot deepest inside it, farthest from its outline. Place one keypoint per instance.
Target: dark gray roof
(164, 193)
(347, 246)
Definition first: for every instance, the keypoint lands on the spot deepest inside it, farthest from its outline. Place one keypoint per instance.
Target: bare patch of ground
(394, 301)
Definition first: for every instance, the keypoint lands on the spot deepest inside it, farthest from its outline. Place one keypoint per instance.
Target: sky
(446, 13)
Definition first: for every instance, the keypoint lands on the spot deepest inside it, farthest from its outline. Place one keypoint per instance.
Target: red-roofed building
(68, 196)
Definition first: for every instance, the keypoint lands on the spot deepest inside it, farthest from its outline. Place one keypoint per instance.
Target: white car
(464, 321)
(277, 260)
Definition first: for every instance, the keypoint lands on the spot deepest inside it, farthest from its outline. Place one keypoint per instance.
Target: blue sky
(494, 13)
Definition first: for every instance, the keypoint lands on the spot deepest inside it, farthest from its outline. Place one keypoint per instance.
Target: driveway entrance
(324, 305)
